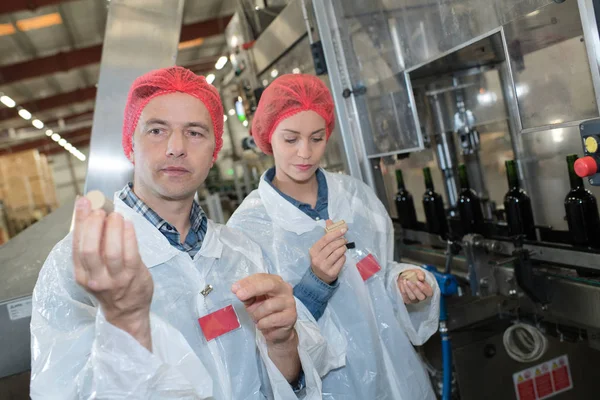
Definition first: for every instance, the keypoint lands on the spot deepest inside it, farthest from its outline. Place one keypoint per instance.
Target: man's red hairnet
(166, 81)
(286, 96)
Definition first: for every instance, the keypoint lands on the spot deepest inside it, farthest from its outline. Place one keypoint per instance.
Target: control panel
(588, 166)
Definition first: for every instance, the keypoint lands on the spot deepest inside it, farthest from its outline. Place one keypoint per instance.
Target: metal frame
(338, 74)
(592, 42)
(413, 107)
(455, 49)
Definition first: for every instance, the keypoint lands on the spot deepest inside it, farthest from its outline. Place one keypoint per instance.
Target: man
(155, 300)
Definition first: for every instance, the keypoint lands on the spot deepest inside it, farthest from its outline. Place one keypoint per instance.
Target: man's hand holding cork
(108, 265)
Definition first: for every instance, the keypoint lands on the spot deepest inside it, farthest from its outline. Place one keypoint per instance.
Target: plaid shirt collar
(198, 221)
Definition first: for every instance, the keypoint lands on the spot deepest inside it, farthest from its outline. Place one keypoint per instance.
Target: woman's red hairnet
(166, 81)
(286, 96)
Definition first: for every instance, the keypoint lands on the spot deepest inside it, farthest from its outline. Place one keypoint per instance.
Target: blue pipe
(448, 287)
(446, 353)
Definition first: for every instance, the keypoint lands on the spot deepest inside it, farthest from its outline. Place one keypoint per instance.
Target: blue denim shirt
(311, 291)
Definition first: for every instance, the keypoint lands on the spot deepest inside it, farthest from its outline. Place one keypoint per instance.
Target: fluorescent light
(210, 78)
(533, 14)
(296, 70)
(274, 73)
(49, 132)
(37, 123)
(42, 21)
(55, 137)
(245, 123)
(25, 114)
(62, 142)
(557, 135)
(265, 82)
(224, 117)
(68, 146)
(6, 29)
(231, 112)
(190, 43)
(221, 62)
(83, 157)
(7, 101)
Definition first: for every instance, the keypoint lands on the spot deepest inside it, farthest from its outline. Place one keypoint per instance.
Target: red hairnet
(166, 81)
(286, 96)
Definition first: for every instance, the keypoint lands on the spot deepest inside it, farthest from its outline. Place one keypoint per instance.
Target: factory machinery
(495, 104)
(477, 124)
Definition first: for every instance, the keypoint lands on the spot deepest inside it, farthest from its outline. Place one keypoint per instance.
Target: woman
(346, 278)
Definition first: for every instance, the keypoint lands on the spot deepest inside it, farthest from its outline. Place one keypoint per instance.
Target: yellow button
(591, 144)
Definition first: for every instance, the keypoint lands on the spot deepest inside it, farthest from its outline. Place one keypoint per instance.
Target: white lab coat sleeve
(323, 341)
(419, 321)
(77, 354)
(308, 337)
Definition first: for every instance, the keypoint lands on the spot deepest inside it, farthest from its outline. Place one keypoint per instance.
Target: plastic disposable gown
(77, 354)
(381, 362)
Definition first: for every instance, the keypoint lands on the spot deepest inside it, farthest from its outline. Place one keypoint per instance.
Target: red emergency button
(586, 166)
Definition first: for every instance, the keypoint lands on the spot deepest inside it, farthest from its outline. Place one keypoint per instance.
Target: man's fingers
(282, 319)
(329, 222)
(259, 285)
(82, 211)
(113, 243)
(271, 306)
(90, 246)
(131, 252)
(421, 276)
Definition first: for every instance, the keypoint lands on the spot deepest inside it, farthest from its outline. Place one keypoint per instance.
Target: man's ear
(131, 155)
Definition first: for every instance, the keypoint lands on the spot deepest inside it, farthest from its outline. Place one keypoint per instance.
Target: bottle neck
(512, 174)
(400, 180)
(463, 177)
(428, 179)
(576, 181)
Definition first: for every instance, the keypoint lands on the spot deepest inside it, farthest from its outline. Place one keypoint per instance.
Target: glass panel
(381, 91)
(550, 66)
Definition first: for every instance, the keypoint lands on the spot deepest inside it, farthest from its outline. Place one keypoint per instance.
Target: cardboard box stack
(27, 188)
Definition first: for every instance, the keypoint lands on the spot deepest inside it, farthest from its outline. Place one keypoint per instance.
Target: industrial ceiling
(50, 52)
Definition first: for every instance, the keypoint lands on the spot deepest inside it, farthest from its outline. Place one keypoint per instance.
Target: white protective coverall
(77, 354)
(381, 362)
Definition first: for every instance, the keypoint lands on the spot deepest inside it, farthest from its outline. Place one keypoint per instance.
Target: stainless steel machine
(435, 84)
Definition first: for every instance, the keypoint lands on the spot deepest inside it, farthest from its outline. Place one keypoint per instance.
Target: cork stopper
(99, 201)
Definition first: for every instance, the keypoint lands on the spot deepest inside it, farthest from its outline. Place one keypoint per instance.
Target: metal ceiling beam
(71, 137)
(78, 58)
(11, 6)
(49, 103)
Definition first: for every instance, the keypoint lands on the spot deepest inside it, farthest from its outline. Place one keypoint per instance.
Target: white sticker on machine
(543, 380)
(19, 309)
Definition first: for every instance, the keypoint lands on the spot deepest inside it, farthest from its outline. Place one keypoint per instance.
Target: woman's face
(298, 144)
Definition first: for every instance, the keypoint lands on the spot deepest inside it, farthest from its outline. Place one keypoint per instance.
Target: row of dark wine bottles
(580, 206)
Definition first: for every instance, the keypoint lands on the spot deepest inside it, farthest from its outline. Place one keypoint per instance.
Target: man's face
(173, 147)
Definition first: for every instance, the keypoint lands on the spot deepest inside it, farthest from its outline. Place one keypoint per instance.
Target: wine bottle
(517, 204)
(469, 205)
(582, 210)
(405, 205)
(433, 204)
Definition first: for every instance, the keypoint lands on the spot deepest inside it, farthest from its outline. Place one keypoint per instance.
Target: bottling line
(469, 119)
